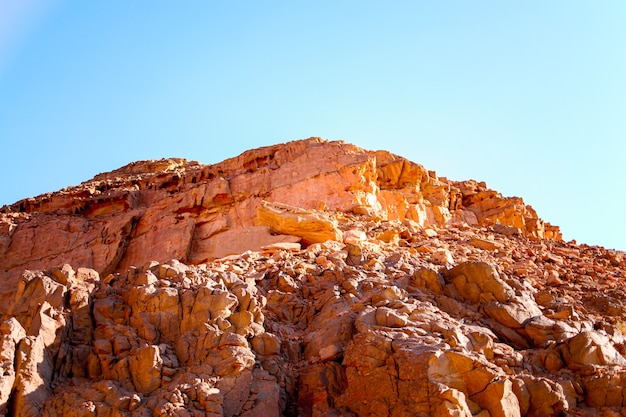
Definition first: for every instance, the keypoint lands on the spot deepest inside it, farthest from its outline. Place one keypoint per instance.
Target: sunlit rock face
(174, 209)
(307, 278)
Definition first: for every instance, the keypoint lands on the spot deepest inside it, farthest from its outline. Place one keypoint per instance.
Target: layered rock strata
(392, 296)
(174, 209)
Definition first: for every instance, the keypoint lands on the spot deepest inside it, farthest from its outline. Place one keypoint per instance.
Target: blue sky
(527, 96)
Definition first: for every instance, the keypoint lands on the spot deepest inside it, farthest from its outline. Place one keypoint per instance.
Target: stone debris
(457, 303)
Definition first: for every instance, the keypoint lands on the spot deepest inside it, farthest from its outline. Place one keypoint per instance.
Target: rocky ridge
(310, 278)
(175, 209)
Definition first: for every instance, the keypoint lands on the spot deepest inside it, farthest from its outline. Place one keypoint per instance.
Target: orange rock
(413, 295)
(498, 398)
(145, 369)
(174, 209)
(311, 227)
(12, 334)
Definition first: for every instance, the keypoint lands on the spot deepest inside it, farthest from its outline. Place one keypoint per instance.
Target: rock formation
(310, 278)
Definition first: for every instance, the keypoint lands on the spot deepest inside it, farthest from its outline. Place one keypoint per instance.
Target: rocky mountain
(309, 278)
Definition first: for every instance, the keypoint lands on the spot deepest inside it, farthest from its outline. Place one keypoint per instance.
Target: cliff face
(310, 278)
(174, 209)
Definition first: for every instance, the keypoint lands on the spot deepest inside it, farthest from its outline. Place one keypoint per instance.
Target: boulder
(310, 226)
(591, 348)
(478, 282)
(145, 369)
(499, 399)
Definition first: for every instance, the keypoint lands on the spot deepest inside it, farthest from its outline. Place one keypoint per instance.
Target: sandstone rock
(483, 244)
(512, 314)
(546, 397)
(204, 212)
(591, 348)
(543, 330)
(429, 279)
(11, 333)
(33, 289)
(330, 331)
(145, 369)
(354, 236)
(266, 344)
(605, 389)
(431, 298)
(34, 370)
(479, 281)
(310, 226)
(234, 241)
(443, 257)
(390, 318)
(498, 398)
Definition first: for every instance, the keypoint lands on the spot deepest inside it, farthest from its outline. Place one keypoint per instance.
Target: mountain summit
(175, 209)
(307, 278)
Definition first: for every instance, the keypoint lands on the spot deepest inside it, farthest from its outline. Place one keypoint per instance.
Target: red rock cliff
(174, 209)
(312, 278)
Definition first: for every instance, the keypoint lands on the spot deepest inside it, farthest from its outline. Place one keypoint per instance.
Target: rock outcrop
(311, 278)
(174, 209)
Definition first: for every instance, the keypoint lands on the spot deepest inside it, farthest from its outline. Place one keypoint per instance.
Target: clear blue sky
(527, 96)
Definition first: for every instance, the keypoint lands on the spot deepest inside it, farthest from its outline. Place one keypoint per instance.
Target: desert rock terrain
(310, 278)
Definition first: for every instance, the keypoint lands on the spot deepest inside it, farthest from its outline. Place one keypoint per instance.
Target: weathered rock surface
(174, 209)
(311, 278)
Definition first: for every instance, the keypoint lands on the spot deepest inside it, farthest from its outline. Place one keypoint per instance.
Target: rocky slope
(309, 278)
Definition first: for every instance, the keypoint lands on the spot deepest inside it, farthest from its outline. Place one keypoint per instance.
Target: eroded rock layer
(174, 209)
(312, 278)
